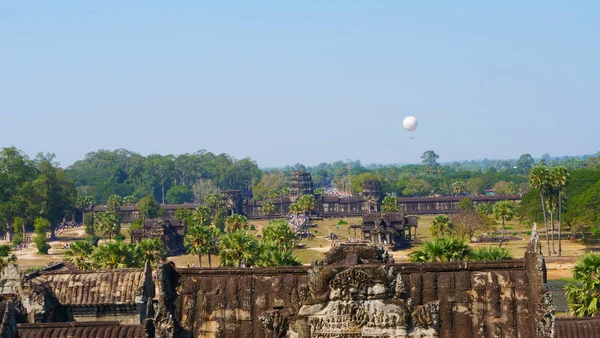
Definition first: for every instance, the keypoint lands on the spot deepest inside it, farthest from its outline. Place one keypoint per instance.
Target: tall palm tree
(458, 187)
(267, 208)
(390, 204)
(184, 216)
(583, 294)
(84, 202)
(114, 255)
(560, 178)
(238, 248)
(295, 209)
(79, 254)
(442, 249)
(504, 210)
(441, 225)
(280, 232)
(307, 203)
(539, 179)
(201, 216)
(213, 201)
(236, 222)
(201, 240)
(151, 249)
(108, 223)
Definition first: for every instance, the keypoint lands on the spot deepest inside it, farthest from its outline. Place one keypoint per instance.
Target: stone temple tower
(373, 195)
(301, 184)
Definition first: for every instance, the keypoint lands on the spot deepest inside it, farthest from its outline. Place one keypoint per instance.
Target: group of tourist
(66, 225)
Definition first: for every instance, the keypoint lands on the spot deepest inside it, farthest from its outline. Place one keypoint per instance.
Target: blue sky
(301, 81)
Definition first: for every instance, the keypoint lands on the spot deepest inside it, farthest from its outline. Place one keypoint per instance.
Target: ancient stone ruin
(301, 184)
(169, 230)
(356, 291)
(393, 229)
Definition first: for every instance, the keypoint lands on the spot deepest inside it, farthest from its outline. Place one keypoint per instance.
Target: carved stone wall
(345, 298)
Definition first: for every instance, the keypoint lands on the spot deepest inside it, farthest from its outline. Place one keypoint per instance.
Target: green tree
(129, 200)
(505, 188)
(238, 248)
(465, 204)
(41, 228)
(458, 187)
(504, 210)
(202, 240)
(539, 178)
(559, 176)
(108, 224)
(295, 209)
(484, 209)
(89, 223)
(56, 193)
(184, 216)
(441, 226)
(307, 204)
(19, 230)
(179, 194)
(220, 218)
(79, 254)
(115, 255)
(271, 255)
(201, 216)
(475, 186)
(390, 204)
(525, 163)
(148, 207)
(236, 222)
(84, 202)
(269, 182)
(584, 292)
(214, 201)
(267, 208)
(415, 187)
(441, 249)
(280, 232)
(114, 203)
(5, 253)
(429, 158)
(488, 253)
(151, 249)
(17, 172)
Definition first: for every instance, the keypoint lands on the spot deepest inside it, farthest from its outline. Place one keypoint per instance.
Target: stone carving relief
(275, 323)
(366, 304)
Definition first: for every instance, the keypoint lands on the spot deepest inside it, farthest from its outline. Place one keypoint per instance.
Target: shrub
(120, 237)
(490, 254)
(137, 224)
(42, 245)
(93, 239)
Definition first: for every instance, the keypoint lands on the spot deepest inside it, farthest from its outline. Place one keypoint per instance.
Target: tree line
(234, 245)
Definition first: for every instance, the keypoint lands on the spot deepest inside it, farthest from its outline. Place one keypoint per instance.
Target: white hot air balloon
(410, 123)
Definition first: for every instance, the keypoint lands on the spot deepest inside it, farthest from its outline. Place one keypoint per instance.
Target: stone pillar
(541, 309)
